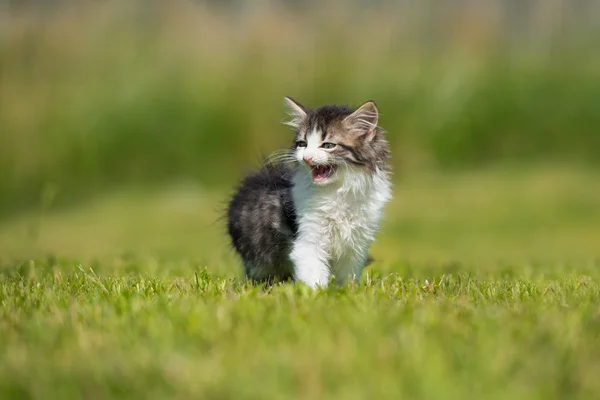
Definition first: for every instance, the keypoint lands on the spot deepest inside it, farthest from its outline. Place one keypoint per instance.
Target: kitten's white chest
(341, 221)
(348, 224)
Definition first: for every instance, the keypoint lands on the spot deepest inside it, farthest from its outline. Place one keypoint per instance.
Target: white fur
(312, 150)
(337, 220)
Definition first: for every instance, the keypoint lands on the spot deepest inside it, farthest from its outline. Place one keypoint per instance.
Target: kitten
(312, 212)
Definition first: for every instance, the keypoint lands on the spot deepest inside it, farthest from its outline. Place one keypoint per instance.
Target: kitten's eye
(328, 145)
(300, 143)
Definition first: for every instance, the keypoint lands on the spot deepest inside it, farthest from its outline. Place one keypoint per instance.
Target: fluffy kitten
(313, 211)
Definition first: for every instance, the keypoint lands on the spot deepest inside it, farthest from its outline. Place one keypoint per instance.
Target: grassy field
(486, 285)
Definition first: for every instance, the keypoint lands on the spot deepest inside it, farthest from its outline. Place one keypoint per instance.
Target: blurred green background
(112, 98)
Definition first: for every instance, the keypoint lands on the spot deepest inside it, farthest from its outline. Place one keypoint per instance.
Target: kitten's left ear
(296, 110)
(364, 120)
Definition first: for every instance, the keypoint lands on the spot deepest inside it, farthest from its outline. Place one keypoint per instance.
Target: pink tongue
(319, 174)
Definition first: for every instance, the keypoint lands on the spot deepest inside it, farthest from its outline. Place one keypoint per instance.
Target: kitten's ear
(364, 120)
(295, 110)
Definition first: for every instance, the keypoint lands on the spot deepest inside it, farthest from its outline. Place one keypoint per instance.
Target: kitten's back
(262, 223)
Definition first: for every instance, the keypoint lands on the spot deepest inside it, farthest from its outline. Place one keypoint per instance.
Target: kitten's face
(331, 140)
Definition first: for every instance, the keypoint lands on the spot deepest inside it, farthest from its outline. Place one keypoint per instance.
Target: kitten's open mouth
(322, 172)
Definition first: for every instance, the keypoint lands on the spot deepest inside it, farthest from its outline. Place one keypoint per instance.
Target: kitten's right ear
(295, 110)
(364, 120)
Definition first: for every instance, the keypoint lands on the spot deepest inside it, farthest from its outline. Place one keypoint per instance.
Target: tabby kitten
(311, 213)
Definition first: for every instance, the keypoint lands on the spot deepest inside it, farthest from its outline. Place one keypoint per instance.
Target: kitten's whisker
(278, 153)
(280, 157)
(283, 156)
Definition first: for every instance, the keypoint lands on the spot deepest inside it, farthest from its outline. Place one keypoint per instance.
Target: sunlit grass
(68, 331)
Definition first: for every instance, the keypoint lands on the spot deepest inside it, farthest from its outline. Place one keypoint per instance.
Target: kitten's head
(332, 140)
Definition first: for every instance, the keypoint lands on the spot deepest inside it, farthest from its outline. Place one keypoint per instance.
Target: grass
(68, 332)
(485, 285)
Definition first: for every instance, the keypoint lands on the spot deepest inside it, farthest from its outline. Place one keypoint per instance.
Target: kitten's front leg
(310, 266)
(349, 268)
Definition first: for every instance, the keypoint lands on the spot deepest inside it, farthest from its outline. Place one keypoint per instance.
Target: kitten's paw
(309, 267)
(315, 284)
(313, 280)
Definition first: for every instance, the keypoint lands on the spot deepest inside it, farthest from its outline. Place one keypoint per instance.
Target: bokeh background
(125, 125)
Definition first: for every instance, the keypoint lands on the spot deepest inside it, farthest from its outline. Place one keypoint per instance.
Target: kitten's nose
(307, 159)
